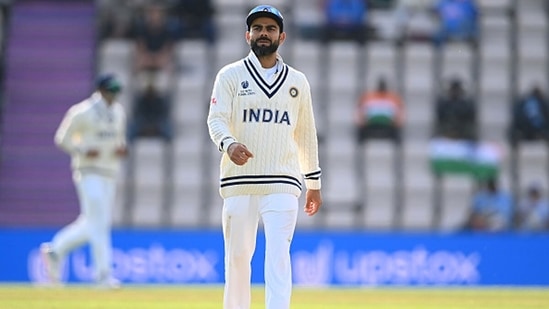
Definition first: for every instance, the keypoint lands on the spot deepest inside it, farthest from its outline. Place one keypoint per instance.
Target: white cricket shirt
(92, 124)
(274, 118)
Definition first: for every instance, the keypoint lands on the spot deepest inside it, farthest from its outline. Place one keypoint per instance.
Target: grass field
(183, 297)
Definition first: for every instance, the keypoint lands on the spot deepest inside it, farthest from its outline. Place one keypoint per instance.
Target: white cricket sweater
(274, 119)
(92, 124)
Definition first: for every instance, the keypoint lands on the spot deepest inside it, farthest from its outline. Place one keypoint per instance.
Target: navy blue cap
(265, 11)
(108, 82)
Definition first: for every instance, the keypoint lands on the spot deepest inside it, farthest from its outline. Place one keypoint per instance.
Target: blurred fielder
(92, 132)
(261, 118)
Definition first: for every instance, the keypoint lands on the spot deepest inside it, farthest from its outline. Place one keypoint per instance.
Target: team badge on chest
(294, 92)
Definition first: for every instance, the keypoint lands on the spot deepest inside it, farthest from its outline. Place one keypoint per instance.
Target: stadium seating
(338, 72)
(349, 69)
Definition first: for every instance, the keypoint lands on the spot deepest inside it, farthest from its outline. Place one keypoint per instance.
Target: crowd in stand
(156, 26)
(437, 21)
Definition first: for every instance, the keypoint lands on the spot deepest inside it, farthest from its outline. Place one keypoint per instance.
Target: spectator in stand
(196, 18)
(458, 20)
(151, 115)
(530, 117)
(155, 39)
(379, 113)
(533, 211)
(116, 17)
(491, 209)
(414, 21)
(456, 114)
(345, 20)
(381, 4)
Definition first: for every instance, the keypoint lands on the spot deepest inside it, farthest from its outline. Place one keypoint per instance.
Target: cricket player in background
(261, 118)
(92, 132)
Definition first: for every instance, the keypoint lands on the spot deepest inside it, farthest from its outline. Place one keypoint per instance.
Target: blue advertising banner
(320, 258)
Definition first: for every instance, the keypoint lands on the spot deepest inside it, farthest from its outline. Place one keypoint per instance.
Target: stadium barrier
(320, 258)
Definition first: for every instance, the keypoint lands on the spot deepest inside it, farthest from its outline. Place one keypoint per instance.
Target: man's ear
(247, 36)
(282, 37)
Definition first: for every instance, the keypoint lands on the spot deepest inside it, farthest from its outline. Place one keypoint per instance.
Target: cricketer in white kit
(261, 118)
(92, 132)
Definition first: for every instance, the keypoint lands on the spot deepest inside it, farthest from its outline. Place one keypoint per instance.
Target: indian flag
(479, 159)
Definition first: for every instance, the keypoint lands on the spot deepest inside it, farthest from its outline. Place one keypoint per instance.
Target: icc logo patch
(246, 90)
(294, 92)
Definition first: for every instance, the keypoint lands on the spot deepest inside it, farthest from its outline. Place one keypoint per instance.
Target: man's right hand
(238, 153)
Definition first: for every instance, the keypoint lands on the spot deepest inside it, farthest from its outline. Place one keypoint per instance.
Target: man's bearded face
(263, 46)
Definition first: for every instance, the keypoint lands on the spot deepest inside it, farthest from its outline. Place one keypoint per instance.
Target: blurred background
(432, 115)
(432, 118)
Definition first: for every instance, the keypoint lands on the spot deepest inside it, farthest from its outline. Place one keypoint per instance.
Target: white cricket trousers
(93, 225)
(241, 215)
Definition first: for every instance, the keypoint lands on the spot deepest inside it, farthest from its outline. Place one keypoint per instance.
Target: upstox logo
(139, 265)
(325, 266)
(158, 264)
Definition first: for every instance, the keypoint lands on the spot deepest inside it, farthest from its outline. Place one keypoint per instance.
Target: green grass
(183, 297)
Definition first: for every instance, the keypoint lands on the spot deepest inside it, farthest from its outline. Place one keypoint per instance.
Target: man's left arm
(307, 141)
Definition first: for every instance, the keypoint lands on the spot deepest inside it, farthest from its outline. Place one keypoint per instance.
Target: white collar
(255, 61)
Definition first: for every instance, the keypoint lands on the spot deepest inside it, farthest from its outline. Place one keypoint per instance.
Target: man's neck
(268, 61)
